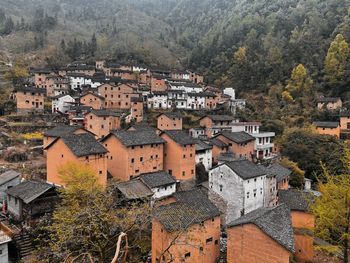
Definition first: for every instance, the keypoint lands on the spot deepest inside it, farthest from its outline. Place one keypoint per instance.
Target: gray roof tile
(83, 144)
(295, 199)
(275, 222)
(326, 124)
(134, 189)
(180, 137)
(136, 138)
(61, 130)
(29, 190)
(237, 137)
(280, 171)
(157, 179)
(246, 169)
(8, 176)
(192, 207)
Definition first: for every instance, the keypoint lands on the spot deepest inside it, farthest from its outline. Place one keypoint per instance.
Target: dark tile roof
(83, 144)
(192, 207)
(30, 89)
(61, 130)
(220, 117)
(217, 142)
(157, 179)
(180, 137)
(106, 113)
(171, 115)
(27, 191)
(202, 146)
(135, 138)
(275, 222)
(280, 171)
(295, 199)
(8, 176)
(246, 169)
(237, 137)
(226, 157)
(142, 126)
(134, 189)
(159, 92)
(93, 94)
(326, 124)
(344, 114)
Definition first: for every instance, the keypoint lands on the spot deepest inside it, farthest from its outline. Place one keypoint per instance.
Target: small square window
(187, 255)
(132, 160)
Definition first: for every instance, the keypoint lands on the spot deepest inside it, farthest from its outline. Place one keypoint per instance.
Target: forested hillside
(249, 44)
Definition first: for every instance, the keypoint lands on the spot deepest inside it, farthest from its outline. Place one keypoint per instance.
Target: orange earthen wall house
(40, 78)
(198, 243)
(243, 149)
(248, 244)
(92, 100)
(59, 131)
(137, 109)
(29, 99)
(117, 97)
(302, 221)
(158, 83)
(219, 147)
(144, 77)
(345, 121)
(132, 153)
(101, 122)
(328, 128)
(283, 184)
(123, 74)
(169, 121)
(179, 155)
(60, 153)
(210, 102)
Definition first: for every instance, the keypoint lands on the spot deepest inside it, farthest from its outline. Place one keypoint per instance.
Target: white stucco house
(187, 87)
(204, 154)
(158, 100)
(242, 186)
(195, 101)
(62, 103)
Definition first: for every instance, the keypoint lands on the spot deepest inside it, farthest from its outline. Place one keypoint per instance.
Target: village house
(40, 77)
(92, 100)
(80, 68)
(136, 111)
(29, 99)
(177, 99)
(117, 97)
(240, 143)
(219, 147)
(76, 114)
(195, 101)
(241, 184)
(282, 175)
(204, 154)
(263, 147)
(31, 199)
(186, 230)
(158, 82)
(123, 74)
(186, 87)
(210, 100)
(197, 132)
(150, 186)
(132, 153)
(76, 148)
(102, 122)
(329, 103)
(196, 78)
(56, 85)
(62, 103)
(344, 121)
(169, 121)
(303, 222)
(179, 154)
(158, 100)
(264, 235)
(60, 131)
(180, 75)
(214, 124)
(8, 179)
(328, 128)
